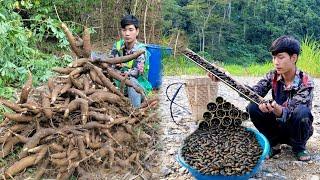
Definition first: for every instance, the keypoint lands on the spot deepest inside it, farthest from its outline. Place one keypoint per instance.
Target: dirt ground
(282, 166)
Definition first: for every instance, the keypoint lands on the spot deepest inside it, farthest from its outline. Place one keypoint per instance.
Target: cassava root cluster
(77, 121)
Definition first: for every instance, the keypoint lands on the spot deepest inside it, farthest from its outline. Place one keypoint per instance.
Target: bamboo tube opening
(212, 106)
(226, 121)
(207, 115)
(219, 100)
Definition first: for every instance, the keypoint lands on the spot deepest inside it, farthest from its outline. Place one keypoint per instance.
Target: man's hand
(271, 107)
(277, 109)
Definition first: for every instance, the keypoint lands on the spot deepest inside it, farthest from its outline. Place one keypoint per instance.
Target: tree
(241, 31)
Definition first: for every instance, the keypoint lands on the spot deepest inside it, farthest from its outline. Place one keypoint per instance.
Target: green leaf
(2, 17)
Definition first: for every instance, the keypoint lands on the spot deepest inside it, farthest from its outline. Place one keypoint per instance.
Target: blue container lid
(157, 46)
(262, 140)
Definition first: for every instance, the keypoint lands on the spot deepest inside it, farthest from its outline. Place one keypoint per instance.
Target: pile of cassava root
(77, 121)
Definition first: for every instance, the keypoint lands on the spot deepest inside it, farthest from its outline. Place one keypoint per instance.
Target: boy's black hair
(129, 20)
(286, 44)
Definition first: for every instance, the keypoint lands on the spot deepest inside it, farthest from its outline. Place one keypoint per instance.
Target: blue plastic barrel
(263, 142)
(157, 53)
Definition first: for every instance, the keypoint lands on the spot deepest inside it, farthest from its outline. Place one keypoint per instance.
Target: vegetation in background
(32, 39)
(18, 48)
(309, 61)
(240, 32)
(230, 32)
(310, 57)
(180, 66)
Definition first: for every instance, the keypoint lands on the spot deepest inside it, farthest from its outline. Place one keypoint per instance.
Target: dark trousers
(294, 132)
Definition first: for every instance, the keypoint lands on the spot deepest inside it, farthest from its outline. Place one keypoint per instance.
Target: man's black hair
(129, 20)
(286, 44)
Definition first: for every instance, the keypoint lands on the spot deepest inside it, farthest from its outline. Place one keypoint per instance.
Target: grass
(309, 61)
(251, 70)
(180, 66)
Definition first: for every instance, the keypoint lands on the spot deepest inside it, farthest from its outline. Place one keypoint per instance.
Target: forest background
(235, 34)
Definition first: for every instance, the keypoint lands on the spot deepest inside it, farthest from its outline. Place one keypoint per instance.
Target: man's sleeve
(138, 68)
(303, 97)
(264, 85)
(114, 51)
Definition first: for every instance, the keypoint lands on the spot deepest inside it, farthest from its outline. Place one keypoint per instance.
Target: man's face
(129, 33)
(283, 62)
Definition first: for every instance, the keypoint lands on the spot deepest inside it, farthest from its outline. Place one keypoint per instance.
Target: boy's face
(283, 62)
(129, 33)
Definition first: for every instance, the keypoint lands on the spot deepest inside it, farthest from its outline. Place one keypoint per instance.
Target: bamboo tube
(219, 100)
(221, 113)
(204, 125)
(207, 116)
(226, 106)
(234, 113)
(237, 122)
(245, 116)
(226, 121)
(211, 106)
(215, 122)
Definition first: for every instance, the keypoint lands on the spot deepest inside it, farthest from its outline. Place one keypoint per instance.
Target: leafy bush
(18, 52)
